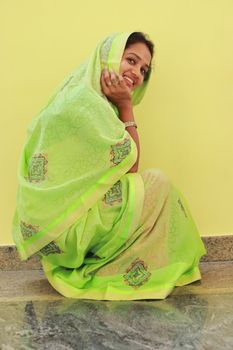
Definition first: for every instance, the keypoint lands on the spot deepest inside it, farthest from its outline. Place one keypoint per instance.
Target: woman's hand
(115, 89)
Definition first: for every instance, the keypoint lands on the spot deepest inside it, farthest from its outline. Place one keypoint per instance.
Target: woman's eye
(131, 60)
(143, 71)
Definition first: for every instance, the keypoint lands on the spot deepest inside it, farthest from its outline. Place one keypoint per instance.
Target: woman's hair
(139, 37)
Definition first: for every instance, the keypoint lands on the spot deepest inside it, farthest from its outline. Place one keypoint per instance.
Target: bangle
(130, 123)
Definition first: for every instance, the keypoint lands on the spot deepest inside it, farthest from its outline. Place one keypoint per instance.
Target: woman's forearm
(125, 115)
(134, 134)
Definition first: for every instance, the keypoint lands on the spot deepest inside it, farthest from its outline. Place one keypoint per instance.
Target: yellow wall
(186, 119)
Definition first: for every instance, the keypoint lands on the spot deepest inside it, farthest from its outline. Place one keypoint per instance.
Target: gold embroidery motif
(28, 230)
(114, 195)
(38, 168)
(50, 248)
(137, 274)
(120, 151)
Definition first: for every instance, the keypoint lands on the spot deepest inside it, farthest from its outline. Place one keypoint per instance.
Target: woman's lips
(128, 81)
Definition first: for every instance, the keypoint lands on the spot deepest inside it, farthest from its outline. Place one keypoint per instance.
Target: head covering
(76, 149)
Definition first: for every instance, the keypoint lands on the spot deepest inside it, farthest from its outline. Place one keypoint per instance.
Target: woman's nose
(136, 74)
(135, 71)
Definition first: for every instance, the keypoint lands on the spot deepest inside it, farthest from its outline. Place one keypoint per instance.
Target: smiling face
(134, 65)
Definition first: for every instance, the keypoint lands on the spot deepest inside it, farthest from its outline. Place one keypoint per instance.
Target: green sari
(101, 233)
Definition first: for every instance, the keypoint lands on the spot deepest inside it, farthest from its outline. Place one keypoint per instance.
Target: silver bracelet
(130, 123)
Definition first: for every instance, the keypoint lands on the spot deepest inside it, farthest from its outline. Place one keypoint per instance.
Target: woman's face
(134, 64)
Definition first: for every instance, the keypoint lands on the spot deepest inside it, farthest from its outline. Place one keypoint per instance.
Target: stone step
(219, 248)
(15, 286)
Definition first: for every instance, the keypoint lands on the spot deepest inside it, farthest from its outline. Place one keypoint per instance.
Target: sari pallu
(101, 233)
(76, 149)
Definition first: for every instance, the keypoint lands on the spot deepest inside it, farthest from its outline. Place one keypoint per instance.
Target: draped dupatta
(76, 150)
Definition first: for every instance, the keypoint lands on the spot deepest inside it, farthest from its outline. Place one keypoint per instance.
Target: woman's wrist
(125, 106)
(126, 112)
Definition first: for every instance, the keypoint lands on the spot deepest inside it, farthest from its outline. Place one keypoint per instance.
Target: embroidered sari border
(154, 289)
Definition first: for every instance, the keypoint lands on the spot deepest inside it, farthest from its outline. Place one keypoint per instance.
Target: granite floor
(198, 316)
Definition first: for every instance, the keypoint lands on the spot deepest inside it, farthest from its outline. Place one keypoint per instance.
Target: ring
(115, 82)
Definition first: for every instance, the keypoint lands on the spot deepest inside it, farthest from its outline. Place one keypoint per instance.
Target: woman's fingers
(113, 77)
(104, 86)
(112, 83)
(110, 77)
(106, 77)
(121, 81)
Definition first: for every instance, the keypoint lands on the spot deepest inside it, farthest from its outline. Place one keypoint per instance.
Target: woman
(103, 230)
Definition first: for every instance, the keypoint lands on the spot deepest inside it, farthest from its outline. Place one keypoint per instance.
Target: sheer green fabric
(101, 233)
(76, 149)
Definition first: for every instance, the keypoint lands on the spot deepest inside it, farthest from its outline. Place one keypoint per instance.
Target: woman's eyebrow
(132, 53)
